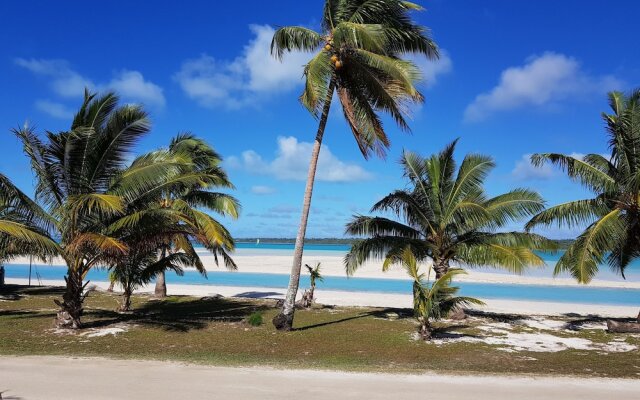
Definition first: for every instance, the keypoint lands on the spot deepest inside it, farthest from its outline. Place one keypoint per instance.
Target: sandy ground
(332, 265)
(371, 299)
(49, 378)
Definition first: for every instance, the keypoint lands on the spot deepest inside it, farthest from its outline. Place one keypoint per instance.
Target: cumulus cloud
(292, 161)
(68, 83)
(432, 69)
(262, 190)
(56, 110)
(543, 80)
(253, 75)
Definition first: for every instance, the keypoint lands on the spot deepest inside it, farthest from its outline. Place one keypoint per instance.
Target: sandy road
(54, 378)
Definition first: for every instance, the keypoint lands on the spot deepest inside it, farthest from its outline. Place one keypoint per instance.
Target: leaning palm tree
(611, 218)
(359, 58)
(448, 218)
(435, 301)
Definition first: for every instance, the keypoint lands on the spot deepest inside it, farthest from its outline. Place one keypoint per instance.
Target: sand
(332, 265)
(48, 378)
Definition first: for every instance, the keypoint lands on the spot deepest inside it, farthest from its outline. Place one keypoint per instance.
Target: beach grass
(216, 331)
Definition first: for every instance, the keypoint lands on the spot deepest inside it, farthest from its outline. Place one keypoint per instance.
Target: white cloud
(254, 74)
(54, 109)
(64, 81)
(132, 85)
(262, 190)
(292, 162)
(68, 83)
(431, 69)
(543, 80)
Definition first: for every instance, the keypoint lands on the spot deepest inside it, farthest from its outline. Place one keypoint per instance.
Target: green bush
(255, 319)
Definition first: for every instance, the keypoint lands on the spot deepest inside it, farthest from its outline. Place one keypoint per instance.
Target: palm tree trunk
(71, 306)
(425, 329)
(440, 267)
(161, 285)
(284, 320)
(126, 300)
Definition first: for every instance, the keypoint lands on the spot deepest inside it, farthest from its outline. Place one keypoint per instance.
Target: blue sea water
(570, 294)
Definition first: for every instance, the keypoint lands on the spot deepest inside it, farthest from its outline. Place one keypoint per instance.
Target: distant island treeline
(562, 243)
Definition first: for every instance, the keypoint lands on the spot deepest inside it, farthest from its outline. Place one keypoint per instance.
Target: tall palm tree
(447, 217)
(612, 215)
(193, 195)
(359, 58)
(24, 226)
(432, 301)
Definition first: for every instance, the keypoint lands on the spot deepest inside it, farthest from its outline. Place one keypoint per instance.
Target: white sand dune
(95, 378)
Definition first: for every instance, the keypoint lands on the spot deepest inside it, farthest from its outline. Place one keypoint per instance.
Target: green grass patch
(216, 331)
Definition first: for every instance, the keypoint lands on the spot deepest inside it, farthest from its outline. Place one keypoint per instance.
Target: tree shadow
(17, 292)
(177, 314)
(257, 295)
(384, 313)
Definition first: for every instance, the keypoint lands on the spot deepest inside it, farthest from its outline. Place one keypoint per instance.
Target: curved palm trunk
(284, 320)
(71, 306)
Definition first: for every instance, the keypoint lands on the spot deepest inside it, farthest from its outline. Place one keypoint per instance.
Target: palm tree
(447, 217)
(612, 215)
(432, 302)
(168, 218)
(191, 195)
(24, 226)
(359, 58)
(314, 275)
(95, 198)
(76, 171)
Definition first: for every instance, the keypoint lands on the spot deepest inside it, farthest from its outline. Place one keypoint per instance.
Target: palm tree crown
(359, 52)
(612, 217)
(447, 217)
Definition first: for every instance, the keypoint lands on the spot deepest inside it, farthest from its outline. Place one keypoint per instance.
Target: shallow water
(569, 294)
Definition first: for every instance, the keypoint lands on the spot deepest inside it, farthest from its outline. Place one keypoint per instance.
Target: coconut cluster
(334, 58)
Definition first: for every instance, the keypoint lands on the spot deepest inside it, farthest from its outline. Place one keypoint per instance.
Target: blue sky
(515, 78)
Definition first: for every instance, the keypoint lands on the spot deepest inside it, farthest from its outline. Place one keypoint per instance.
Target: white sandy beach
(98, 378)
(332, 265)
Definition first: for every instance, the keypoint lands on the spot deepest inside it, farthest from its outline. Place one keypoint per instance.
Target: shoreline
(331, 265)
(376, 299)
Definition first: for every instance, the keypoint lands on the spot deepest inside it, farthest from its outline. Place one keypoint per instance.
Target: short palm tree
(447, 217)
(612, 215)
(191, 196)
(96, 198)
(359, 58)
(435, 301)
(314, 276)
